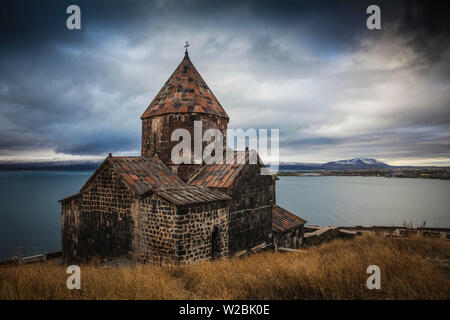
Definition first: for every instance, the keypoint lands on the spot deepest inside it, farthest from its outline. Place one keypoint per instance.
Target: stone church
(150, 210)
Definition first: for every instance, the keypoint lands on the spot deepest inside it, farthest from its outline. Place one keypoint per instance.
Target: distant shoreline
(48, 167)
(436, 173)
(417, 173)
(356, 166)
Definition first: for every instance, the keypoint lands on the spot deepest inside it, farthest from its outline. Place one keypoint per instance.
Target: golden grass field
(413, 268)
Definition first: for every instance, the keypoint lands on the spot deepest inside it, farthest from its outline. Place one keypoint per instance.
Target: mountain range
(38, 165)
(355, 163)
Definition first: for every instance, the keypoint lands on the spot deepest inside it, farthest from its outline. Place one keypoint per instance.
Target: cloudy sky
(335, 89)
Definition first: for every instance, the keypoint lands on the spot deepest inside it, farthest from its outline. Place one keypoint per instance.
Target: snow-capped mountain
(355, 163)
(299, 164)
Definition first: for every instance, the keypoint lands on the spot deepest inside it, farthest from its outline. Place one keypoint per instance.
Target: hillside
(349, 164)
(413, 268)
(355, 163)
(37, 165)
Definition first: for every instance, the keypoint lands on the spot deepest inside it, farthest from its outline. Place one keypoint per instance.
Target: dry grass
(415, 268)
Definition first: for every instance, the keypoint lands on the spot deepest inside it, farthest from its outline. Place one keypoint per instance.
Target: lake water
(366, 201)
(30, 213)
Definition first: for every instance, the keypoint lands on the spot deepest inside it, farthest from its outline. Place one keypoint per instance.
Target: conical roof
(185, 92)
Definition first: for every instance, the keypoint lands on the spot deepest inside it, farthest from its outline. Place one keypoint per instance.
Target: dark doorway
(215, 243)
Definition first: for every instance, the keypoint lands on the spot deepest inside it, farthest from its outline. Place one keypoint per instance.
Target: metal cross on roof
(186, 46)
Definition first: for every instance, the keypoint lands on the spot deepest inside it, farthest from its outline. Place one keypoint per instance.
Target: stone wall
(166, 234)
(107, 221)
(157, 132)
(154, 234)
(99, 223)
(70, 222)
(250, 210)
(203, 231)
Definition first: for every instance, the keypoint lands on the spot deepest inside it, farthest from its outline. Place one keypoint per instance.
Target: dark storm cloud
(310, 68)
(427, 26)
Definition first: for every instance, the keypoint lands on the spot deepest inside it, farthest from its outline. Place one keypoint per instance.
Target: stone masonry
(151, 210)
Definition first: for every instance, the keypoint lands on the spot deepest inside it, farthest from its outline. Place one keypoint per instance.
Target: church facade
(151, 210)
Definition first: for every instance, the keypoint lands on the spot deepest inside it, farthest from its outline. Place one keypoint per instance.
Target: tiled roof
(190, 194)
(283, 220)
(145, 176)
(222, 175)
(185, 92)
